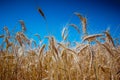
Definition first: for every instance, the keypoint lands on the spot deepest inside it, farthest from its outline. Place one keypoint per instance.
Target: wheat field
(19, 60)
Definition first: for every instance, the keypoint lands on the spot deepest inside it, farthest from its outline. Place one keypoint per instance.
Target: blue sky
(100, 15)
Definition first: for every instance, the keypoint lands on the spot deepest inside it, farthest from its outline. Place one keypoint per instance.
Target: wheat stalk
(18, 38)
(8, 44)
(91, 37)
(109, 38)
(75, 26)
(64, 33)
(41, 50)
(66, 48)
(22, 25)
(82, 49)
(7, 31)
(105, 48)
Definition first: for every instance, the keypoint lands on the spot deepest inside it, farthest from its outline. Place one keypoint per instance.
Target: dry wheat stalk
(109, 38)
(24, 37)
(53, 42)
(105, 48)
(20, 51)
(82, 49)
(65, 37)
(108, 50)
(91, 37)
(7, 31)
(66, 48)
(64, 33)
(8, 44)
(75, 26)
(84, 21)
(18, 38)
(22, 25)
(41, 50)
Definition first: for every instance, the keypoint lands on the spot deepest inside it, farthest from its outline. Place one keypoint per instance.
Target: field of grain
(19, 60)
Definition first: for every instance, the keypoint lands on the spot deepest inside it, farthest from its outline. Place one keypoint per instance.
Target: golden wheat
(59, 60)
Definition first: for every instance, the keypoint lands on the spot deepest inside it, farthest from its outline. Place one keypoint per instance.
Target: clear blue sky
(100, 15)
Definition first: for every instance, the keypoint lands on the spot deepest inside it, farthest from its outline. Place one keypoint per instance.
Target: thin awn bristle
(75, 26)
